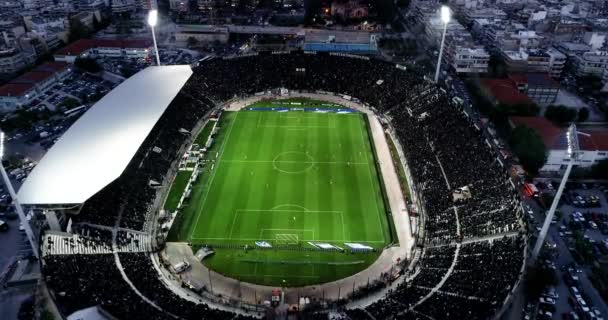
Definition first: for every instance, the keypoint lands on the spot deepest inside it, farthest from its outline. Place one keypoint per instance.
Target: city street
(563, 258)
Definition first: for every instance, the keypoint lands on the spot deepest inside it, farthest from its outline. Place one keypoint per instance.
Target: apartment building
(591, 63)
(11, 61)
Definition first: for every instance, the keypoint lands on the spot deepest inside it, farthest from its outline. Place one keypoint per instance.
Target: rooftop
(53, 66)
(15, 89)
(33, 77)
(571, 46)
(534, 79)
(505, 91)
(110, 132)
(472, 51)
(27, 81)
(78, 47)
(554, 137)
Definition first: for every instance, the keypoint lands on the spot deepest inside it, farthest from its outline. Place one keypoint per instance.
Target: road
(564, 257)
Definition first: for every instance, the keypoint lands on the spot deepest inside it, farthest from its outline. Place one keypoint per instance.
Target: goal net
(286, 239)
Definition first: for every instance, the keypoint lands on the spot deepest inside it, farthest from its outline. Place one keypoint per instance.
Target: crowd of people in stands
(460, 275)
(472, 284)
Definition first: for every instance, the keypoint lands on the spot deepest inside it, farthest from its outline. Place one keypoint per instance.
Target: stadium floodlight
(7, 182)
(446, 15)
(152, 17)
(572, 151)
(152, 21)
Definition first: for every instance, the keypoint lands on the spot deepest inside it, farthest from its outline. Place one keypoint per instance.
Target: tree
(537, 279)
(87, 64)
(191, 41)
(525, 109)
(47, 315)
(311, 10)
(193, 6)
(386, 10)
(497, 68)
(583, 114)
(589, 85)
(124, 27)
(403, 3)
(518, 109)
(70, 103)
(600, 169)
(96, 23)
(529, 148)
(78, 30)
(26, 310)
(96, 96)
(560, 114)
(127, 71)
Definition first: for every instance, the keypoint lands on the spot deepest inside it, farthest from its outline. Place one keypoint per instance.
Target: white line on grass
(286, 229)
(316, 240)
(236, 213)
(290, 205)
(288, 211)
(342, 218)
(302, 162)
(303, 231)
(296, 127)
(217, 166)
(285, 210)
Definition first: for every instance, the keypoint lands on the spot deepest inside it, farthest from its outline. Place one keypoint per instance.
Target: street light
(152, 20)
(26, 225)
(573, 147)
(446, 15)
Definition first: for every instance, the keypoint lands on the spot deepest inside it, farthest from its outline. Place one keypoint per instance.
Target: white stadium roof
(97, 148)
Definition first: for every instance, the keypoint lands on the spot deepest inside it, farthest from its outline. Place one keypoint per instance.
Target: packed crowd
(139, 269)
(444, 153)
(482, 276)
(85, 280)
(82, 281)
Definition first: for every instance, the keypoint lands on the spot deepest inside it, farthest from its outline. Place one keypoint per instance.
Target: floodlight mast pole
(445, 17)
(152, 20)
(573, 147)
(26, 225)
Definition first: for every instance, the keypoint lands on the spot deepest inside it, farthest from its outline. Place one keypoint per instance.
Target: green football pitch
(288, 178)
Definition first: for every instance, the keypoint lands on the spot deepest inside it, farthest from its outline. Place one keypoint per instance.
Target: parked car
(8, 215)
(547, 300)
(3, 226)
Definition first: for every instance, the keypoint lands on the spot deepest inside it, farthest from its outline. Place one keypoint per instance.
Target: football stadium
(274, 185)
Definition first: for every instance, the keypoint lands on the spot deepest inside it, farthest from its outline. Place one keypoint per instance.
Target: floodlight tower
(152, 21)
(26, 225)
(573, 148)
(446, 15)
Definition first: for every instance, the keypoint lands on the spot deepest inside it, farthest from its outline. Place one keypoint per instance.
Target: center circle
(293, 162)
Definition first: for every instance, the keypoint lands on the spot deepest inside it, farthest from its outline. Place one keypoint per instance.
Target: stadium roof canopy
(97, 148)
